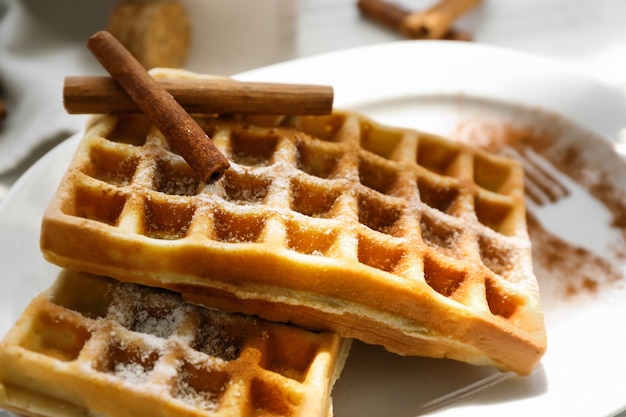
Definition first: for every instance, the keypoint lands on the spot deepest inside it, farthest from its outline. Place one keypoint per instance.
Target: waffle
(95, 346)
(387, 235)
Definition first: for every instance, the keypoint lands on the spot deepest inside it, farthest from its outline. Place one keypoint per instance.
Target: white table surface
(588, 35)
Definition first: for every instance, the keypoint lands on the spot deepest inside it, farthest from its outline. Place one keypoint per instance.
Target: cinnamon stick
(389, 14)
(432, 23)
(180, 129)
(85, 95)
(3, 110)
(436, 21)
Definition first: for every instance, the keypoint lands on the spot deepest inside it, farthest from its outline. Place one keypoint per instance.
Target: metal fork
(542, 185)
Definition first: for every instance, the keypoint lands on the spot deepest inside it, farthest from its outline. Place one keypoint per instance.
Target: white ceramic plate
(468, 92)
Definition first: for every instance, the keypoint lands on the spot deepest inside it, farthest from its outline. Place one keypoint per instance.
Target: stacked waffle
(335, 223)
(94, 346)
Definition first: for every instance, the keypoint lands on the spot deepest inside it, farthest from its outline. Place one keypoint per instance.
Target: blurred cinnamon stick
(3, 110)
(433, 23)
(87, 95)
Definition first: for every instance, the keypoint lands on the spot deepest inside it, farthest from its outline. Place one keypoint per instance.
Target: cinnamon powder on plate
(571, 269)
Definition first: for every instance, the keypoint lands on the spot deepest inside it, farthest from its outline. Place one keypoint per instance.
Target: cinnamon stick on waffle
(95, 95)
(193, 144)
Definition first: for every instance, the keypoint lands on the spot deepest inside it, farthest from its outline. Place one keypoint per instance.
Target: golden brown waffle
(94, 346)
(335, 222)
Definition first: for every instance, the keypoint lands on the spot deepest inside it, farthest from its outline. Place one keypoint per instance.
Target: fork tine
(536, 194)
(544, 176)
(542, 186)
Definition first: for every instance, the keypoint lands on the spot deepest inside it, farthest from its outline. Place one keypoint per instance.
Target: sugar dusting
(178, 185)
(499, 256)
(132, 373)
(436, 232)
(160, 326)
(208, 401)
(200, 339)
(214, 342)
